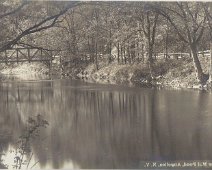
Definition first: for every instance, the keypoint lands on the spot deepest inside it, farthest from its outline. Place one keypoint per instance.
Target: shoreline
(175, 74)
(181, 76)
(24, 71)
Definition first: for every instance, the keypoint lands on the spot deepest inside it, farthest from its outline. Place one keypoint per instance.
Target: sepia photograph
(105, 84)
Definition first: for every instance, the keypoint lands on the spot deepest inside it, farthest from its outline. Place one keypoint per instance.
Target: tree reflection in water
(22, 152)
(104, 126)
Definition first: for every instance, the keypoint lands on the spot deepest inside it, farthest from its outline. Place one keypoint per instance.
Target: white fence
(181, 55)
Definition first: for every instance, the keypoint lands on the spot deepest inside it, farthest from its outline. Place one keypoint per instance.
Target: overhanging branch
(40, 26)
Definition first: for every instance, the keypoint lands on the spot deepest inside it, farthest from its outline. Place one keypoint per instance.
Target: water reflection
(93, 126)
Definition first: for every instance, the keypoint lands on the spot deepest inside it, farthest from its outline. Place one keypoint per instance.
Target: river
(104, 126)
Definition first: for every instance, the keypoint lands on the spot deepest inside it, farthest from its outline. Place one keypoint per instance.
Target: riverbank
(24, 71)
(173, 73)
(177, 74)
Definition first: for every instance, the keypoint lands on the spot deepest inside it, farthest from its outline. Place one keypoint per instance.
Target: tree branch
(15, 10)
(39, 27)
(167, 16)
(37, 47)
(200, 34)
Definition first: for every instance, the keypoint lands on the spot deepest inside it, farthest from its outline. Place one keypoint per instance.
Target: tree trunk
(150, 62)
(197, 64)
(211, 62)
(142, 52)
(92, 50)
(110, 49)
(89, 50)
(122, 54)
(125, 58)
(96, 56)
(132, 53)
(128, 54)
(118, 53)
(166, 46)
(137, 52)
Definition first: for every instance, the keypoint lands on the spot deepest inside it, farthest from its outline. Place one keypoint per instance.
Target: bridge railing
(25, 54)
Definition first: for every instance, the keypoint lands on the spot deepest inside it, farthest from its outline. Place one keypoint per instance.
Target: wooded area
(122, 32)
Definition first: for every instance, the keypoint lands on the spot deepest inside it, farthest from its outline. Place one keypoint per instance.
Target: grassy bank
(24, 71)
(171, 73)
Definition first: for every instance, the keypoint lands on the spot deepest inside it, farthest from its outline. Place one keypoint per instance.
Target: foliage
(123, 32)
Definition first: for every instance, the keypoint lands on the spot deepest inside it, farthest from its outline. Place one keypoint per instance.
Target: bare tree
(188, 20)
(208, 12)
(148, 22)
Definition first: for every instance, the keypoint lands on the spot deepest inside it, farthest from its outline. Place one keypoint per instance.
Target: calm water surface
(105, 126)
